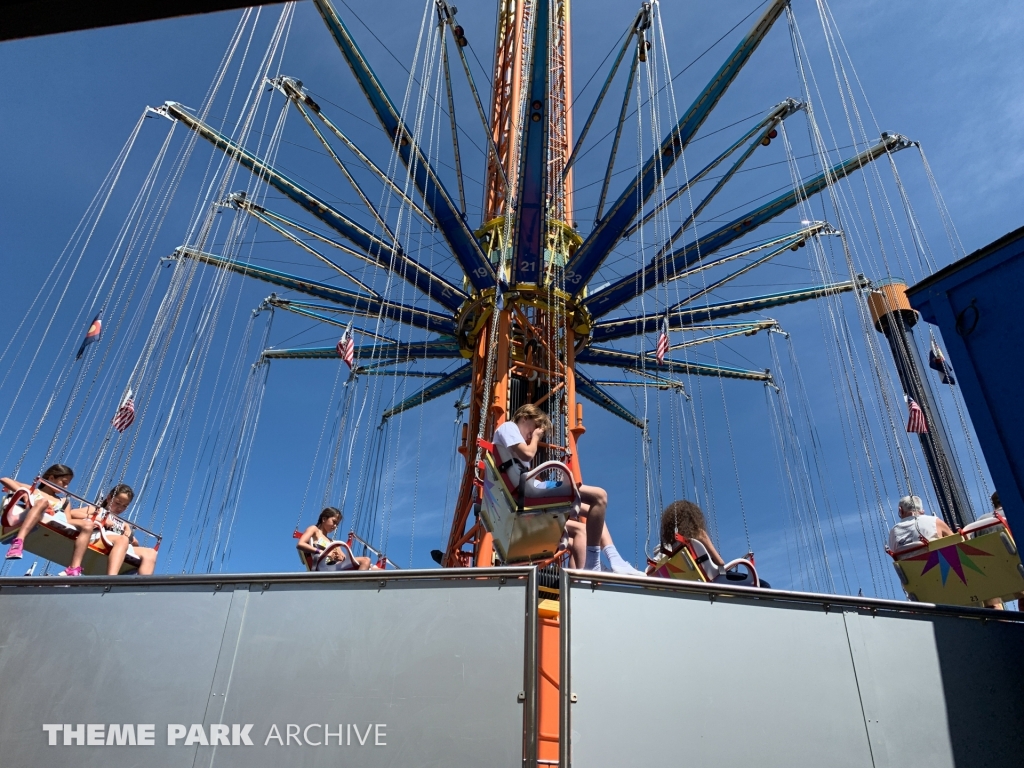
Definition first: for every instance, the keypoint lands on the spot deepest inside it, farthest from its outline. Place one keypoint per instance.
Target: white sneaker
(628, 570)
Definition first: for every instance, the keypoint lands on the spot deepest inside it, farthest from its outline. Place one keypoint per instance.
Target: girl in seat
(44, 500)
(119, 533)
(316, 539)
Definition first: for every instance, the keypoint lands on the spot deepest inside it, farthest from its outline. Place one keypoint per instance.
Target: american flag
(938, 362)
(346, 347)
(916, 421)
(662, 348)
(125, 414)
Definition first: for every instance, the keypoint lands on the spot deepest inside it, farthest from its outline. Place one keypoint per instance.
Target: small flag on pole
(91, 336)
(662, 349)
(125, 414)
(499, 295)
(916, 422)
(938, 362)
(346, 346)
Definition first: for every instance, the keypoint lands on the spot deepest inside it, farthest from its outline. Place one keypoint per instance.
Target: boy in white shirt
(522, 435)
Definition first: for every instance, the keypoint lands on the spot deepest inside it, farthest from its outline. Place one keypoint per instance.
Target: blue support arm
(258, 213)
(451, 223)
(764, 127)
(606, 234)
(350, 301)
(531, 210)
(671, 266)
(383, 253)
(589, 389)
(727, 176)
(717, 332)
(632, 362)
(791, 243)
(431, 350)
(460, 377)
(606, 330)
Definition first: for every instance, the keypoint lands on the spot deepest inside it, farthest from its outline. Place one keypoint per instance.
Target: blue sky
(946, 78)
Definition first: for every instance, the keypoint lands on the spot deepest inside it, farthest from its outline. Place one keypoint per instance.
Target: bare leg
(115, 558)
(148, 557)
(597, 498)
(85, 529)
(577, 531)
(32, 518)
(362, 563)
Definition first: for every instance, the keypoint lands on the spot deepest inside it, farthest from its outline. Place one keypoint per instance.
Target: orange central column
(548, 681)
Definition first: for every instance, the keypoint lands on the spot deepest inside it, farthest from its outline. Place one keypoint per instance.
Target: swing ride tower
(528, 314)
(895, 319)
(522, 335)
(533, 304)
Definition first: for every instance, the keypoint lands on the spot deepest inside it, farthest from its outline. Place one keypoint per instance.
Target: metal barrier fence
(410, 668)
(704, 675)
(436, 667)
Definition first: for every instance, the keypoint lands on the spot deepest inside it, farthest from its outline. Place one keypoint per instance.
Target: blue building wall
(976, 303)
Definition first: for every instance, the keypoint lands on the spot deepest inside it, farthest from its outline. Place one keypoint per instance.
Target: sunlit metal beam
(592, 391)
(388, 255)
(241, 203)
(787, 108)
(292, 89)
(763, 128)
(351, 301)
(668, 268)
(532, 206)
(450, 222)
(606, 330)
(382, 353)
(630, 361)
(791, 243)
(458, 378)
(595, 249)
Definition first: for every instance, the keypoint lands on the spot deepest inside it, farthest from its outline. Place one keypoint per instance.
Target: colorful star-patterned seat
(688, 560)
(526, 527)
(978, 563)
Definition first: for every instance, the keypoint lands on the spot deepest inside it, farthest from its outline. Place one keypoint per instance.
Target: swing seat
(979, 563)
(318, 562)
(54, 537)
(531, 527)
(689, 561)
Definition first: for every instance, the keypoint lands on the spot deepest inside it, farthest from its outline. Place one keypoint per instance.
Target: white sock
(618, 565)
(593, 559)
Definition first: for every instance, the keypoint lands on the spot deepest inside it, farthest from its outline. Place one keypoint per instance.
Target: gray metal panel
(940, 691)
(729, 682)
(83, 655)
(719, 676)
(441, 662)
